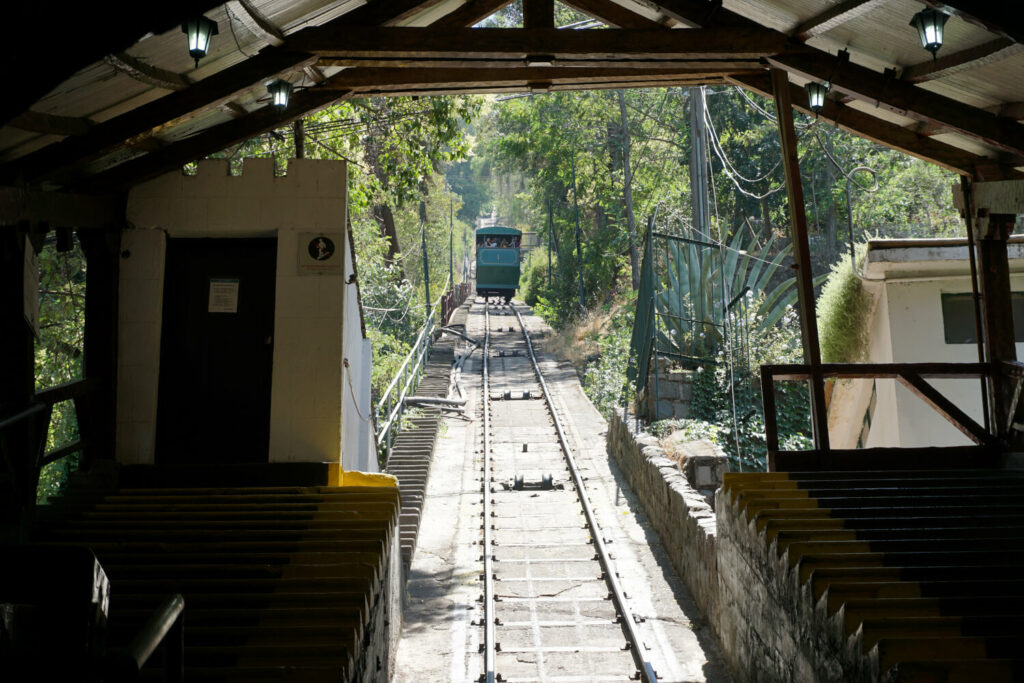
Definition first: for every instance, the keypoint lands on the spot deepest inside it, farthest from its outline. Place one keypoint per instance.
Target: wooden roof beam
(969, 58)
(538, 13)
(834, 16)
(473, 12)
(612, 14)
(256, 22)
(59, 209)
(51, 124)
(208, 93)
(905, 99)
(878, 130)
(209, 140)
(147, 73)
(411, 79)
(462, 46)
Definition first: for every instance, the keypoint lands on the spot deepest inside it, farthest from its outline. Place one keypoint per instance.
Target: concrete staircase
(280, 583)
(892, 575)
(413, 448)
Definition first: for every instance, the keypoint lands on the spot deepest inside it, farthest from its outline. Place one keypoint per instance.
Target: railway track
(553, 609)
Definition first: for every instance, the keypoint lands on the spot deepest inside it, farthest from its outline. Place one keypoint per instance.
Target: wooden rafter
(612, 14)
(234, 109)
(147, 73)
(471, 13)
(878, 130)
(834, 16)
(209, 93)
(51, 124)
(409, 79)
(214, 138)
(538, 13)
(905, 99)
(969, 58)
(547, 86)
(467, 46)
(256, 22)
(58, 209)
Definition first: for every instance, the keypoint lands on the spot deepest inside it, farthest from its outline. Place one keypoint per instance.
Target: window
(958, 317)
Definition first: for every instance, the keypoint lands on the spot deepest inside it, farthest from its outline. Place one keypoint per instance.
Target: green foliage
(842, 310)
(691, 297)
(604, 381)
(534, 281)
(388, 354)
(58, 352)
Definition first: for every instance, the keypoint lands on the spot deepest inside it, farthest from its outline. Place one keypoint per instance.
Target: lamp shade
(199, 32)
(816, 94)
(930, 24)
(280, 90)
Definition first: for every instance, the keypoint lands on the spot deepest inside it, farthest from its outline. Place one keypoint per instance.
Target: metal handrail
(165, 626)
(391, 405)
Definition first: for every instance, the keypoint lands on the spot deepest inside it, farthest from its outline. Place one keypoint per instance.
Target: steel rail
(490, 644)
(644, 666)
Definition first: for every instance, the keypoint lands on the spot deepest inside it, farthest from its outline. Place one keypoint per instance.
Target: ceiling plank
(93, 34)
(51, 124)
(612, 14)
(464, 45)
(905, 99)
(970, 58)
(878, 130)
(256, 22)
(834, 16)
(147, 73)
(208, 93)
(702, 14)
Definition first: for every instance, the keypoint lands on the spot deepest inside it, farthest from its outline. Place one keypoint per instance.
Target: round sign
(321, 248)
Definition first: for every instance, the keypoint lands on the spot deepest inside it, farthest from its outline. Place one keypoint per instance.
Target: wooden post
(997, 313)
(802, 256)
(98, 417)
(538, 13)
(17, 385)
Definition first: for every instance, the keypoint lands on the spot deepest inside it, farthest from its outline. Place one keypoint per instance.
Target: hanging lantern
(929, 24)
(199, 32)
(280, 90)
(816, 94)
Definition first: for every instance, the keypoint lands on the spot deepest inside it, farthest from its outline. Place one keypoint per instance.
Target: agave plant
(698, 284)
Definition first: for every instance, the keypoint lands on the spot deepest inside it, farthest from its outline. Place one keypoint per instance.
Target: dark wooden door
(216, 351)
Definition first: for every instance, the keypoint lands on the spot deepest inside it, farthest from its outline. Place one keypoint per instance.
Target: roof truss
(387, 58)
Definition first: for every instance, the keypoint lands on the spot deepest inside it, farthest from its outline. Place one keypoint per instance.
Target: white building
(921, 310)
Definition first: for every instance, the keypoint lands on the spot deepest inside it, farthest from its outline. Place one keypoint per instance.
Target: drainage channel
(553, 607)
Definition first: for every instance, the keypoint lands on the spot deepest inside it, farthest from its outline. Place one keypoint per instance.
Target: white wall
(907, 327)
(140, 315)
(306, 396)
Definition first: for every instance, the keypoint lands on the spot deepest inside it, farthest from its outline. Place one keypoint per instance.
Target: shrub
(842, 314)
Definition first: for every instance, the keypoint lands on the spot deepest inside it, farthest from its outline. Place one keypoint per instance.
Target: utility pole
(551, 227)
(451, 240)
(579, 246)
(423, 244)
(298, 129)
(699, 164)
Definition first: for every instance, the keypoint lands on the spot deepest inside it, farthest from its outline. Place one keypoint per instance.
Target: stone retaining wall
(680, 514)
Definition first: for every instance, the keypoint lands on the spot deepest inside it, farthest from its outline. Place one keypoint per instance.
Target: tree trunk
(627, 192)
(386, 223)
(831, 222)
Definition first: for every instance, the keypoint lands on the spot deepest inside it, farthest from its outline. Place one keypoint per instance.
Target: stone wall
(679, 513)
(668, 395)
